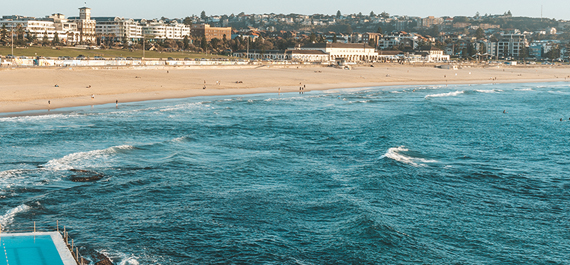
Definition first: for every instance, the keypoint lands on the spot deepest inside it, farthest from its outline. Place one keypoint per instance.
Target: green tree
(384, 15)
(187, 21)
(379, 30)
(55, 40)
(554, 53)
(480, 34)
(372, 14)
(45, 40)
(204, 43)
(334, 40)
(435, 31)
(3, 35)
(186, 42)
(313, 38)
(203, 15)
(214, 42)
(338, 14)
(349, 29)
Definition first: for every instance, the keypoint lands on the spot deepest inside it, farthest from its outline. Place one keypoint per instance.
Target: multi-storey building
(85, 26)
(371, 38)
(430, 21)
(120, 29)
(511, 45)
(204, 30)
(46, 28)
(158, 29)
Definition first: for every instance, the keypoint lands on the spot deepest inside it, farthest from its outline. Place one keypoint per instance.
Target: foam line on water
(450, 94)
(395, 153)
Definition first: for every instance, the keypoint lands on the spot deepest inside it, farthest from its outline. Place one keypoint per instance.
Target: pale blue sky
(559, 9)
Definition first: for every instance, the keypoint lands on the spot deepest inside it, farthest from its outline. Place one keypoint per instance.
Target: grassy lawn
(49, 52)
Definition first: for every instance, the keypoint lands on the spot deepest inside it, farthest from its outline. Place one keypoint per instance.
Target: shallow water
(422, 174)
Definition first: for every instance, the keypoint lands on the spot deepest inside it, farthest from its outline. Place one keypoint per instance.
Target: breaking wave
(8, 217)
(450, 94)
(69, 161)
(488, 91)
(395, 153)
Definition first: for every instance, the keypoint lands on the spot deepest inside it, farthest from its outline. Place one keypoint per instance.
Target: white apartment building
(66, 31)
(85, 26)
(157, 29)
(394, 40)
(119, 28)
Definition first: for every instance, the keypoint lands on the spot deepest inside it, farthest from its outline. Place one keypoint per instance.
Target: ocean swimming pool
(34, 248)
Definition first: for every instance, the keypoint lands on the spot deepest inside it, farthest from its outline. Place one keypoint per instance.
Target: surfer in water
(504, 111)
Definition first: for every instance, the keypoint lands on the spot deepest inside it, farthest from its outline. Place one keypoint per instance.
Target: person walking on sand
(92, 96)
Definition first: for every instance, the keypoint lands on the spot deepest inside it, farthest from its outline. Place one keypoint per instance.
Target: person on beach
(92, 96)
(49, 102)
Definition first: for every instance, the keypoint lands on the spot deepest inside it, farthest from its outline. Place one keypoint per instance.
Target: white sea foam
(395, 153)
(185, 106)
(79, 159)
(486, 91)
(450, 94)
(39, 117)
(8, 217)
(126, 259)
(523, 89)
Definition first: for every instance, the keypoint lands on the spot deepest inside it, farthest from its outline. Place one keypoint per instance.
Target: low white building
(434, 55)
(350, 52)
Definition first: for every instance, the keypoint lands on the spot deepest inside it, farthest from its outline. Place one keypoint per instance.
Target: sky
(149, 9)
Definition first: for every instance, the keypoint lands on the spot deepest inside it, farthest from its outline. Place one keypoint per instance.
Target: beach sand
(32, 88)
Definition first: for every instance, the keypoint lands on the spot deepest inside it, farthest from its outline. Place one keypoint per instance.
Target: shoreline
(75, 86)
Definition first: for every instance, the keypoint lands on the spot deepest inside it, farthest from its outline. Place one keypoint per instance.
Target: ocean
(459, 174)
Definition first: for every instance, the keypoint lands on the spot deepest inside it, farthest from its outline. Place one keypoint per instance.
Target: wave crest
(8, 217)
(450, 94)
(395, 153)
(67, 162)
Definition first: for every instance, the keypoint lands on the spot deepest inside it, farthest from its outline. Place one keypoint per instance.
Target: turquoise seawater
(400, 175)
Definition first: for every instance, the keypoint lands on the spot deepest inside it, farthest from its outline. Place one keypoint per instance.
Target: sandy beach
(31, 89)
